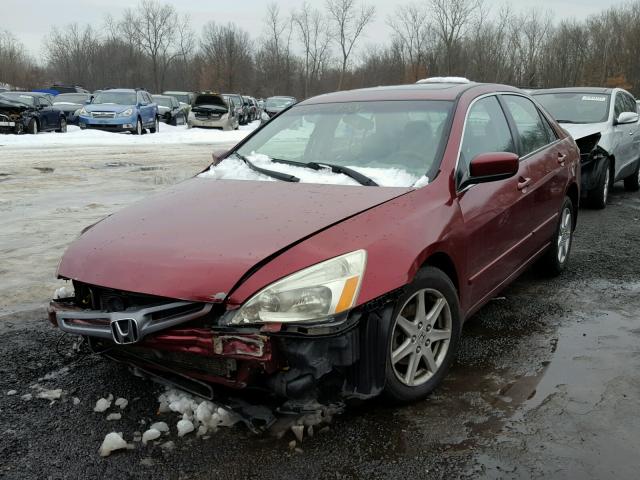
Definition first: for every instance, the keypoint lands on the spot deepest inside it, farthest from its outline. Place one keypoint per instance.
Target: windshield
(278, 102)
(576, 107)
(162, 101)
(78, 98)
(179, 97)
(20, 97)
(395, 143)
(119, 98)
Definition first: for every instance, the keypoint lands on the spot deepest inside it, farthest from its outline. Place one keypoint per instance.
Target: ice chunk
(167, 445)
(12, 392)
(63, 292)
(26, 397)
(423, 181)
(102, 405)
(149, 435)
(76, 401)
(114, 416)
(50, 394)
(160, 426)
(184, 427)
(112, 441)
(298, 431)
(122, 403)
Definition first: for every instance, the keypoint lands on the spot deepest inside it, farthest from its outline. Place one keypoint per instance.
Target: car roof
(161, 96)
(176, 92)
(123, 90)
(600, 90)
(414, 91)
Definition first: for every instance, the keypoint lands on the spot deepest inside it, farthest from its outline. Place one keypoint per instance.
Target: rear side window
(529, 123)
(486, 131)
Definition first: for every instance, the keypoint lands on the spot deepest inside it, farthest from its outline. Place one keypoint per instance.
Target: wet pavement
(546, 385)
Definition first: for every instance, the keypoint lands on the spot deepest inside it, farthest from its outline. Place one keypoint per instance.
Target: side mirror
(218, 155)
(627, 117)
(492, 167)
(264, 117)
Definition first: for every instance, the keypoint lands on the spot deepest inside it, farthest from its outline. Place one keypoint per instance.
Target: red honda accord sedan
(337, 251)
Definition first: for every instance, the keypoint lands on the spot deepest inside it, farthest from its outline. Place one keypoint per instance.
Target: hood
(210, 108)
(7, 104)
(107, 107)
(68, 107)
(580, 130)
(199, 238)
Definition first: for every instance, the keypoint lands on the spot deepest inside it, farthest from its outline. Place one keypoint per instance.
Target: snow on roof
(444, 80)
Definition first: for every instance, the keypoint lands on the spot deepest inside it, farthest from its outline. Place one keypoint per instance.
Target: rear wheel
(63, 125)
(156, 126)
(424, 337)
(597, 197)
(632, 182)
(555, 260)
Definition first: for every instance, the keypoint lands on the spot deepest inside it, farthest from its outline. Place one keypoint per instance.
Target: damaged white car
(604, 123)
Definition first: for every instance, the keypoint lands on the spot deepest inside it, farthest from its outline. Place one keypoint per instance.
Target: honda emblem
(124, 331)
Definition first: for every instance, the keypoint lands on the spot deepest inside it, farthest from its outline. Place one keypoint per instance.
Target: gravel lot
(546, 384)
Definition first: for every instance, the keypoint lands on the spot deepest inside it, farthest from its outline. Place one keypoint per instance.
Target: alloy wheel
(420, 338)
(564, 235)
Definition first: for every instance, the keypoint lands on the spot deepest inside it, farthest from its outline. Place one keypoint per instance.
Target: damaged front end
(188, 344)
(14, 117)
(594, 161)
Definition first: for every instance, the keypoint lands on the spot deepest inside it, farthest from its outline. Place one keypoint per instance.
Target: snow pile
(168, 135)
(122, 403)
(203, 415)
(444, 80)
(64, 292)
(114, 416)
(44, 393)
(149, 435)
(234, 168)
(113, 441)
(12, 392)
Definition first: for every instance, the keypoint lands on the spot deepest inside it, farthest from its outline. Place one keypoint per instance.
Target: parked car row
(396, 213)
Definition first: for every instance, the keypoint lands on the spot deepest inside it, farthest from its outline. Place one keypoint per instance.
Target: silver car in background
(213, 110)
(604, 122)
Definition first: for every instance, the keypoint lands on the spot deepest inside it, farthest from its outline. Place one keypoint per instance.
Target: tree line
(314, 50)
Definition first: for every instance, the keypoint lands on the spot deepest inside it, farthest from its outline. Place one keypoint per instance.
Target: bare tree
(411, 31)
(226, 52)
(451, 18)
(315, 38)
(348, 24)
(155, 28)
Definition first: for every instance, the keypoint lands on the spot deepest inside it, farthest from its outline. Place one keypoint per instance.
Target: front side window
(376, 138)
(486, 130)
(531, 130)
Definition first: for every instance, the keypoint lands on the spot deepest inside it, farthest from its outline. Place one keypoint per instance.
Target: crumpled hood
(580, 130)
(199, 238)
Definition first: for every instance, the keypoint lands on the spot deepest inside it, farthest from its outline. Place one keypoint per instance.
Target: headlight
(311, 294)
(127, 113)
(83, 111)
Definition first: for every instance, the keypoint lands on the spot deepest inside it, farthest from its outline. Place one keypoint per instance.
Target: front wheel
(424, 337)
(32, 128)
(555, 260)
(598, 196)
(138, 130)
(632, 182)
(156, 126)
(63, 125)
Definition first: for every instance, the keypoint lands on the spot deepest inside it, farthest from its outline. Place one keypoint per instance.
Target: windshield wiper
(357, 176)
(567, 121)
(270, 173)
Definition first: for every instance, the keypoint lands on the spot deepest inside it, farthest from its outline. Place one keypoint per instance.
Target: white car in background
(605, 124)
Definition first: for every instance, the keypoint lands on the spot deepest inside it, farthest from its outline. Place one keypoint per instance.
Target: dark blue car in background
(30, 112)
(121, 110)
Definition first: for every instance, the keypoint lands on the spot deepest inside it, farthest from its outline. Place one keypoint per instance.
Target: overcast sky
(31, 23)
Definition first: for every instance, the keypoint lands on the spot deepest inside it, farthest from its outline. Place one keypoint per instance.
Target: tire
(138, 130)
(597, 197)
(555, 260)
(156, 127)
(63, 125)
(32, 128)
(411, 336)
(632, 182)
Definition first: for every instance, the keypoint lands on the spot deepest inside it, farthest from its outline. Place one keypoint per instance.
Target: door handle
(561, 158)
(524, 183)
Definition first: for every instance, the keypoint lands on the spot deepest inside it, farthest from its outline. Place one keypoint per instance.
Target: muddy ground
(546, 385)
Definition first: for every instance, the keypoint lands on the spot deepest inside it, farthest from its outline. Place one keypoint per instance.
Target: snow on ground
(168, 135)
(234, 168)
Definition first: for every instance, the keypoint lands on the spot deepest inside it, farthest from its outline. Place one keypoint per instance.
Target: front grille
(183, 362)
(103, 114)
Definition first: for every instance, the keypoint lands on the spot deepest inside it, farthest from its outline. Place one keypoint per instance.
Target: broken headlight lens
(311, 294)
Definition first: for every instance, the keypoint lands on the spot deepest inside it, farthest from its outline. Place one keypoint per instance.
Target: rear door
(623, 133)
(48, 115)
(545, 157)
(496, 217)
